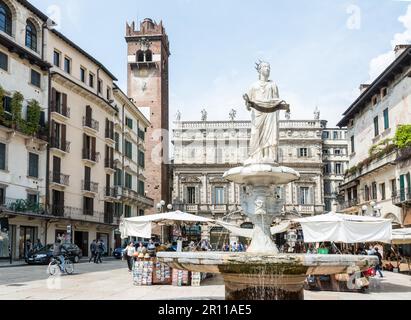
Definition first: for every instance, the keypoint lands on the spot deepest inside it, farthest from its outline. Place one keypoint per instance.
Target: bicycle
(54, 266)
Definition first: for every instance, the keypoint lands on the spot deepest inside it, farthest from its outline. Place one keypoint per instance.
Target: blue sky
(319, 50)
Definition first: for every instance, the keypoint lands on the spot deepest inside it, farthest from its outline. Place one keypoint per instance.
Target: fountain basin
(262, 174)
(258, 276)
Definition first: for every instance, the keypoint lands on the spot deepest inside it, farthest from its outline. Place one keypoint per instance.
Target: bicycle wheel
(69, 267)
(53, 268)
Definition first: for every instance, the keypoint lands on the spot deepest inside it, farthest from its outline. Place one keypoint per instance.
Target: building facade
(378, 179)
(148, 54)
(72, 144)
(129, 161)
(81, 145)
(24, 78)
(335, 161)
(205, 150)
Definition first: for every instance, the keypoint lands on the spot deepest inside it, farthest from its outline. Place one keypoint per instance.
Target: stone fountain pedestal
(260, 199)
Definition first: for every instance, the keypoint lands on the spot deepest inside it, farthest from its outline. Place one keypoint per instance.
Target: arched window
(140, 56)
(31, 36)
(149, 56)
(5, 18)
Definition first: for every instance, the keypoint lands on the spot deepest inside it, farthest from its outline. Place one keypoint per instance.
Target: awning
(337, 227)
(141, 226)
(401, 236)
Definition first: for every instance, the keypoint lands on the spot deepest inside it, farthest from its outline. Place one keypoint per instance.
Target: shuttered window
(128, 149)
(304, 195)
(2, 156)
(4, 61)
(218, 195)
(35, 78)
(386, 119)
(33, 165)
(127, 211)
(141, 188)
(129, 123)
(376, 129)
(141, 159)
(128, 181)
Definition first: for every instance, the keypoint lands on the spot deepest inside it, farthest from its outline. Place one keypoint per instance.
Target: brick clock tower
(147, 84)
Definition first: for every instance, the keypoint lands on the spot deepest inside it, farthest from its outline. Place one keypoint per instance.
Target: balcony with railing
(348, 204)
(57, 210)
(111, 192)
(402, 197)
(109, 164)
(60, 179)
(109, 134)
(82, 214)
(89, 186)
(59, 112)
(131, 195)
(60, 145)
(91, 125)
(108, 217)
(22, 206)
(90, 156)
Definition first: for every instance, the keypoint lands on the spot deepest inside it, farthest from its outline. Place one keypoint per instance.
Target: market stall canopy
(337, 227)
(141, 226)
(401, 236)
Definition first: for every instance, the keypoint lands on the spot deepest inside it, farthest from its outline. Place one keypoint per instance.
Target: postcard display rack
(147, 272)
(151, 272)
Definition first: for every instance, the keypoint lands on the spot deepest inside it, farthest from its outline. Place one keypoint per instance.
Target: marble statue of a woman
(264, 102)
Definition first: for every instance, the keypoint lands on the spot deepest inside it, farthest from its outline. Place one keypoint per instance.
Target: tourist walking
(377, 268)
(93, 248)
(99, 251)
(129, 254)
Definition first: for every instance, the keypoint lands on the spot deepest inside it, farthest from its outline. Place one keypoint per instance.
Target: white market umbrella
(141, 226)
(337, 227)
(401, 236)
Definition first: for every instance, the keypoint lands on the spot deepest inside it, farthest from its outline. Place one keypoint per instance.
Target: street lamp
(170, 207)
(364, 209)
(377, 211)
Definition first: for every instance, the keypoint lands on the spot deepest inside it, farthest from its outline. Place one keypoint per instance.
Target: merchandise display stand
(147, 272)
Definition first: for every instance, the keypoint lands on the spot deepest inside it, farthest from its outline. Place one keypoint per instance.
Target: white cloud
(379, 63)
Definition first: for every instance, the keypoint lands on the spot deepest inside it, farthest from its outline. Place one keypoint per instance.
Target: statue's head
(263, 68)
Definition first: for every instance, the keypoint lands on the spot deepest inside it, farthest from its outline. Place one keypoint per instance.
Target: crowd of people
(235, 247)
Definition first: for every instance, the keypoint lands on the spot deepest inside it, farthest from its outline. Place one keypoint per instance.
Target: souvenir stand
(342, 228)
(147, 270)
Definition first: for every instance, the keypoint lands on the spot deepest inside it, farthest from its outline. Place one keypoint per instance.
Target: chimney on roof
(363, 87)
(400, 48)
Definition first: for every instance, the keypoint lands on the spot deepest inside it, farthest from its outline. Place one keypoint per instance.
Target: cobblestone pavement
(112, 281)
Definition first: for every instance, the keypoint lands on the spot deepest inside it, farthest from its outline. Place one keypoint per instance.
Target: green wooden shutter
(402, 187)
(2, 156)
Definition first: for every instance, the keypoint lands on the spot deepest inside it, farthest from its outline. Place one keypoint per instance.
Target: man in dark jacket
(99, 251)
(93, 247)
(379, 265)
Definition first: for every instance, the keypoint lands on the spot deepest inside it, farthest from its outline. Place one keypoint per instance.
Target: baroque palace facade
(72, 144)
(205, 150)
